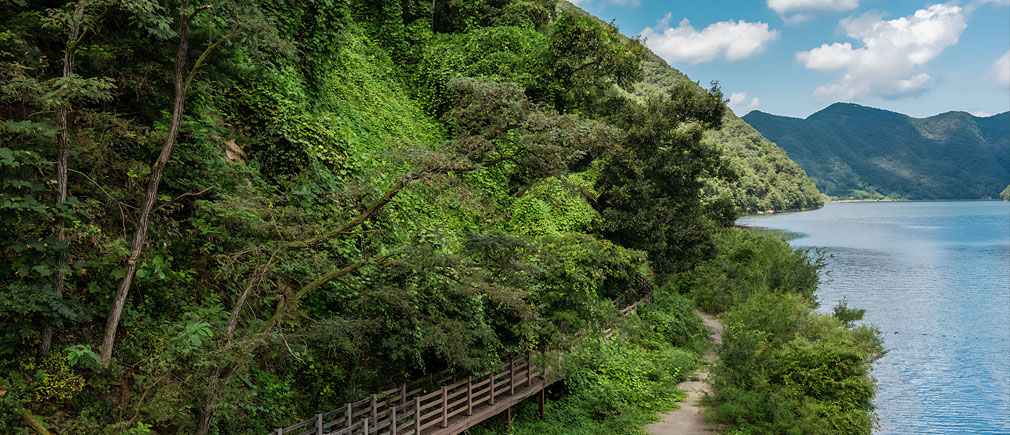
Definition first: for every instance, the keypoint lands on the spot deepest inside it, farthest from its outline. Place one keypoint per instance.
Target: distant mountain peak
(860, 152)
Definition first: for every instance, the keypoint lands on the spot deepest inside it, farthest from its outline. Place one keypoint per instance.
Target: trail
(688, 419)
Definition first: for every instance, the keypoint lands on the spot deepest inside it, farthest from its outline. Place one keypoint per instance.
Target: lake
(935, 278)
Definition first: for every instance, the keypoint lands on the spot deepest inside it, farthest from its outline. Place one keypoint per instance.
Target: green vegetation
(222, 217)
(764, 179)
(856, 152)
(783, 367)
(1005, 194)
(616, 386)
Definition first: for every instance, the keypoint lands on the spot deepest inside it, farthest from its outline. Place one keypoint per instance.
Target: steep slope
(768, 179)
(858, 152)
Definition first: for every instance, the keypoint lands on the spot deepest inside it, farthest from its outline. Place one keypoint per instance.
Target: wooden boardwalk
(454, 407)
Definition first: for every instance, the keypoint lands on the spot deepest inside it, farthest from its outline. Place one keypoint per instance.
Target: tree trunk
(150, 196)
(62, 157)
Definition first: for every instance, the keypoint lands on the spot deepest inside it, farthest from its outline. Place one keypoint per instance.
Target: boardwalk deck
(454, 407)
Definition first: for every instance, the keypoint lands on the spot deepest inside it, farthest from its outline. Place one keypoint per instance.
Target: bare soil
(689, 418)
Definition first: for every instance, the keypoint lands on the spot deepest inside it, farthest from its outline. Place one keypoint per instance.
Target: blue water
(935, 278)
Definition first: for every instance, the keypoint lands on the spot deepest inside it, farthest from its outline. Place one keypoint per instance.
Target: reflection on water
(935, 278)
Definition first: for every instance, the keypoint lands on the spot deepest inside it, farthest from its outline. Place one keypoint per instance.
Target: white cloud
(588, 3)
(731, 40)
(982, 114)
(740, 105)
(786, 6)
(788, 9)
(888, 62)
(999, 72)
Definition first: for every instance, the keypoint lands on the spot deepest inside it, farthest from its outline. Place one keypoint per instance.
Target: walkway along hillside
(454, 407)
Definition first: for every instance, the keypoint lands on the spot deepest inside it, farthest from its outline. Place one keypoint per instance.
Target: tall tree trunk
(150, 196)
(62, 157)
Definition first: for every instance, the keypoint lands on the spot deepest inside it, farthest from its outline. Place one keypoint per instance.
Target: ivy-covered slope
(223, 217)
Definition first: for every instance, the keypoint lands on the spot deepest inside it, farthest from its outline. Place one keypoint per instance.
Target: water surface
(935, 278)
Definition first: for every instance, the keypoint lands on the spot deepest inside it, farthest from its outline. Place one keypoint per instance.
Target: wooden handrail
(455, 406)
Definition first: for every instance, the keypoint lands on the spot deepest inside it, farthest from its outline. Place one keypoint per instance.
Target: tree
(183, 78)
(649, 184)
(494, 125)
(587, 58)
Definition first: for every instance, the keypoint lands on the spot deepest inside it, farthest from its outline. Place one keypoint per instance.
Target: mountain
(767, 179)
(858, 152)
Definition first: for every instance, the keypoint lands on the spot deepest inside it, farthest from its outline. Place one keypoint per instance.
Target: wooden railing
(447, 410)
(455, 406)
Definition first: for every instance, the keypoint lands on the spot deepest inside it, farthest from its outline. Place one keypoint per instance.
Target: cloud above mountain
(730, 40)
(740, 104)
(888, 58)
(999, 72)
(795, 11)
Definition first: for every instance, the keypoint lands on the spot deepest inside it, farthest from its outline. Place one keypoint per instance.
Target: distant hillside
(768, 179)
(858, 152)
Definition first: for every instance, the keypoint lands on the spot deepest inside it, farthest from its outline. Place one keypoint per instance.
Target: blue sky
(794, 57)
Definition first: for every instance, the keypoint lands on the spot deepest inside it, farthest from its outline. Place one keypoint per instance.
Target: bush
(783, 368)
(748, 264)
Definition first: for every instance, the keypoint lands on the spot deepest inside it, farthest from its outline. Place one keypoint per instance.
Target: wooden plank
(478, 385)
(512, 376)
(481, 401)
(430, 395)
(417, 416)
(456, 412)
(435, 413)
(430, 424)
(393, 422)
(490, 378)
(487, 412)
(469, 396)
(300, 425)
(445, 408)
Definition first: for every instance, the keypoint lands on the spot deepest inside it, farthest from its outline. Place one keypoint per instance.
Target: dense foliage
(764, 179)
(224, 216)
(784, 368)
(615, 386)
(856, 152)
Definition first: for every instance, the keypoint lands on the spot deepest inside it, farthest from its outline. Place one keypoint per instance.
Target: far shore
(826, 202)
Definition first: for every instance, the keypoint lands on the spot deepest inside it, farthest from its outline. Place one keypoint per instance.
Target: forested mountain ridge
(766, 179)
(226, 216)
(857, 152)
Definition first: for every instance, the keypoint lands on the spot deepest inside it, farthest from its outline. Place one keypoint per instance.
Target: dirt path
(687, 419)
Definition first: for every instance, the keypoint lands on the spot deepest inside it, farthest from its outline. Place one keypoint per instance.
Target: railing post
(392, 420)
(364, 426)
(469, 395)
(417, 415)
(542, 401)
(403, 393)
(349, 420)
(375, 418)
(512, 376)
(319, 423)
(490, 381)
(280, 431)
(529, 368)
(445, 406)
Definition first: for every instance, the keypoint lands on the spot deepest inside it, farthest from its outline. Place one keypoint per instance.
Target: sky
(795, 57)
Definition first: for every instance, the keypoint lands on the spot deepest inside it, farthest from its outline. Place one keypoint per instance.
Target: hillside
(225, 217)
(767, 180)
(857, 152)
